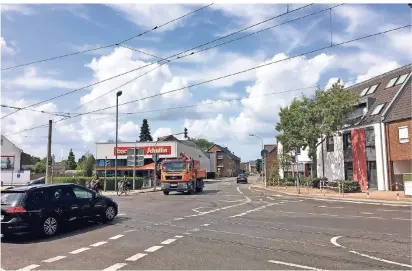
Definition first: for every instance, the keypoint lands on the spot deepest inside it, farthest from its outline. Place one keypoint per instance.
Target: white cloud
(161, 132)
(357, 17)
(21, 9)
(32, 80)
(5, 49)
(377, 70)
(228, 95)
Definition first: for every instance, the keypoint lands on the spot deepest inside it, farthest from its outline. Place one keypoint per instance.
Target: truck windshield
(175, 166)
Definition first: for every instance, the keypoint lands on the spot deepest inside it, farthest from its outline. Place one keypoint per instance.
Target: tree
(71, 161)
(86, 165)
(307, 121)
(203, 144)
(259, 165)
(145, 132)
(82, 159)
(284, 160)
(40, 167)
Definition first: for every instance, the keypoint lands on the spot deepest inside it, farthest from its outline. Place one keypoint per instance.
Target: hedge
(348, 186)
(109, 181)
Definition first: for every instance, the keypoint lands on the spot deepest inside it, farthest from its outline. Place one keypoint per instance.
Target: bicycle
(123, 187)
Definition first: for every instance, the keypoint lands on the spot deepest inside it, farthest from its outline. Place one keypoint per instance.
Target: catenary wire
(107, 46)
(236, 73)
(118, 75)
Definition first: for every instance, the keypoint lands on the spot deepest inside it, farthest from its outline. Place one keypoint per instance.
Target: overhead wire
(107, 46)
(149, 64)
(236, 73)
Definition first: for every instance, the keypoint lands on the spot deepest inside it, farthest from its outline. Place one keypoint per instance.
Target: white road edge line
(54, 259)
(295, 265)
(380, 259)
(153, 248)
(79, 250)
(136, 257)
(29, 267)
(116, 237)
(334, 240)
(115, 267)
(238, 190)
(98, 244)
(168, 241)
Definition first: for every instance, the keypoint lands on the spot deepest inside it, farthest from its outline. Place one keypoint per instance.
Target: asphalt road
(229, 226)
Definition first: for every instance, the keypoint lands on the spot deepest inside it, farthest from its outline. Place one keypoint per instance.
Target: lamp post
(263, 158)
(118, 94)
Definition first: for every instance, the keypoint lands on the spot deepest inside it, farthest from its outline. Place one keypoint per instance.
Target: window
(348, 168)
(364, 92)
(82, 193)
(60, 193)
(329, 144)
(347, 141)
(297, 150)
(372, 89)
(377, 109)
(392, 82)
(403, 134)
(36, 199)
(401, 79)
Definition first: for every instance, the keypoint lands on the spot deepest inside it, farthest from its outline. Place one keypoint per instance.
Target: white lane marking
(178, 236)
(222, 200)
(188, 233)
(136, 257)
(29, 267)
(397, 218)
(153, 248)
(54, 259)
(195, 229)
(168, 241)
(98, 244)
(334, 241)
(115, 267)
(270, 198)
(178, 218)
(238, 190)
(376, 217)
(253, 210)
(397, 211)
(116, 237)
(205, 225)
(132, 230)
(366, 213)
(380, 259)
(122, 214)
(295, 265)
(323, 206)
(79, 250)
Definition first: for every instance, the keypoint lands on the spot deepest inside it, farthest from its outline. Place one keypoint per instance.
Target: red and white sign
(148, 150)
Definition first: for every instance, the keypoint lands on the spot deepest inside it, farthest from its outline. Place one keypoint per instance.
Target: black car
(46, 208)
(41, 180)
(241, 178)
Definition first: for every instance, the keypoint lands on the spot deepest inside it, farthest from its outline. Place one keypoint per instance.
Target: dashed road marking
(122, 214)
(188, 233)
(77, 251)
(334, 241)
(168, 241)
(153, 248)
(205, 225)
(115, 267)
(294, 265)
(136, 257)
(322, 206)
(253, 210)
(270, 198)
(397, 218)
(195, 229)
(238, 190)
(366, 213)
(178, 218)
(116, 237)
(178, 236)
(54, 259)
(98, 244)
(380, 259)
(29, 267)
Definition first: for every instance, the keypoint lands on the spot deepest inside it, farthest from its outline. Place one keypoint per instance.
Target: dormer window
(392, 82)
(401, 79)
(372, 89)
(377, 109)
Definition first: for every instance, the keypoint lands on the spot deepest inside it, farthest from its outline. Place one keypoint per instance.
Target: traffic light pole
(105, 173)
(134, 166)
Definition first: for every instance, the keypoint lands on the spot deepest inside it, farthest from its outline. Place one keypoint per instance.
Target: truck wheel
(166, 192)
(200, 187)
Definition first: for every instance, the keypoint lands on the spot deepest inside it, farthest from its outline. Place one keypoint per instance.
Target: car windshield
(174, 166)
(10, 197)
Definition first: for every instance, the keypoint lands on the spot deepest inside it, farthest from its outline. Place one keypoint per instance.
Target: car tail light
(14, 210)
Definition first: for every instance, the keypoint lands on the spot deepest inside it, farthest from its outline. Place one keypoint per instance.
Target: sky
(213, 110)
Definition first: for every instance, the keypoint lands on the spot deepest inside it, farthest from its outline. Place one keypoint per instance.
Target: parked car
(241, 178)
(41, 180)
(46, 208)
(316, 183)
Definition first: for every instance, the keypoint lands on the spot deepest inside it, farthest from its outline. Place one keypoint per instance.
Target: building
(11, 170)
(252, 166)
(166, 147)
(244, 166)
(227, 164)
(358, 151)
(302, 164)
(271, 159)
(398, 130)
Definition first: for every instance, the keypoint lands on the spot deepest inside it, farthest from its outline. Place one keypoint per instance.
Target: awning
(145, 167)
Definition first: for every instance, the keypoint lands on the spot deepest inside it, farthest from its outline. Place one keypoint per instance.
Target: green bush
(351, 186)
(109, 181)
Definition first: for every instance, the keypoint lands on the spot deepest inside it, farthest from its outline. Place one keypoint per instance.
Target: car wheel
(49, 226)
(166, 192)
(109, 213)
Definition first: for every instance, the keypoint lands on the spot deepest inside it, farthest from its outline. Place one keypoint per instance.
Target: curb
(347, 200)
(133, 192)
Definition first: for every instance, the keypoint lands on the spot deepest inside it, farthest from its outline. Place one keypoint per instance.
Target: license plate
(173, 185)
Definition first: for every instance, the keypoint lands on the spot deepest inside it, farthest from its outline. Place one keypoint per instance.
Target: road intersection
(229, 226)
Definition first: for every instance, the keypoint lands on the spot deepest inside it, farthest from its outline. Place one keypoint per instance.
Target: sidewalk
(374, 196)
(132, 192)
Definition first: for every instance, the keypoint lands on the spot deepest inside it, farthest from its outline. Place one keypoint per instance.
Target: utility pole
(49, 162)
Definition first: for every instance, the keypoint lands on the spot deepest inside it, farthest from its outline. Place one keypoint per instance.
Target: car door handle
(74, 206)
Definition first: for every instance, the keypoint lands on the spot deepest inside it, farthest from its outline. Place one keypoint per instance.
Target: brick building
(398, 129)
(271, 159)
(227, 164)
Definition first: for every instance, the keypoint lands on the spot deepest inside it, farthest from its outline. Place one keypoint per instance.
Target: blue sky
(32, 32)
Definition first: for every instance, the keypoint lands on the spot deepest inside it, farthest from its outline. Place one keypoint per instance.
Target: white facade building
(11, 173)
(302, 165)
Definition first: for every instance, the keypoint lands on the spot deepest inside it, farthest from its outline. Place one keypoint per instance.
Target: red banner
(161, 150)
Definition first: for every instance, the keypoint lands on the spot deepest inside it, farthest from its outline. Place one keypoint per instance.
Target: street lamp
(118, 94)
(263, 158)
(259, 138)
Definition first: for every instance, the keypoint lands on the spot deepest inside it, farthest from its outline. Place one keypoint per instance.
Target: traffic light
(185, 133)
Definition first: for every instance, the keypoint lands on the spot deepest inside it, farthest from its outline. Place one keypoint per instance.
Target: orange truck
(182, 174)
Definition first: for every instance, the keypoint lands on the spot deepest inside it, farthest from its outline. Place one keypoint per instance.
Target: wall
(381, 161)
(9, 149)
(334, 163)
(271, 161)
(15, 178)
(359, 157)
(400, 167)
(399, 151)
(196, 154)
